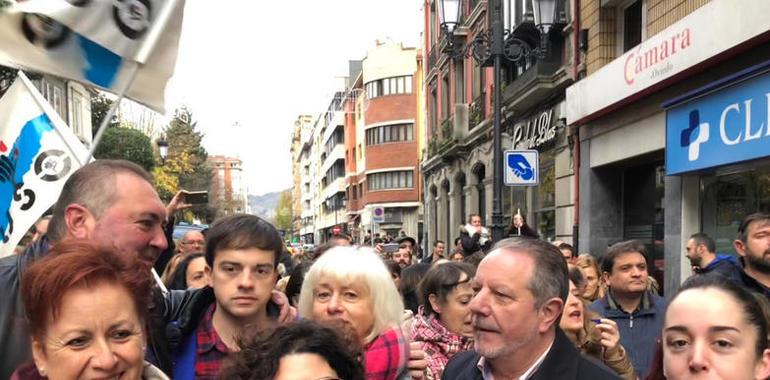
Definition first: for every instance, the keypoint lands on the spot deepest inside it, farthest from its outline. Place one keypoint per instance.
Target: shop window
(643, 212)
(727, 199)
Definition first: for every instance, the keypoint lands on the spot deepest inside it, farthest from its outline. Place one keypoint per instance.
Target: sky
(247, 69)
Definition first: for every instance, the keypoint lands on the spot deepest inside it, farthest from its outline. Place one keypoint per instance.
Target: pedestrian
(715, 329)
(594, 288)
(474, 237)
(403, 256)
(592, 335)
(87, 308)
(436, 254)
(353, 286)
(520, 288)
(637, 311)
(701, 251)
(519, 227)
(301, 350)
(411, 277)
(752, 244)
(242, 251)
(191, 273)
(442, 325)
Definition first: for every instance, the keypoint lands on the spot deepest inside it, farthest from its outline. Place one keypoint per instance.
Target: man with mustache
(637, 312)
(520, 289)
(753, 245)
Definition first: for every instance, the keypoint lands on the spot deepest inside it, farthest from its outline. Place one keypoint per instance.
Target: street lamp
(162, 148)
(496, 44)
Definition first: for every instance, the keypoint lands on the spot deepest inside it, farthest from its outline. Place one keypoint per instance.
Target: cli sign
(724, 127)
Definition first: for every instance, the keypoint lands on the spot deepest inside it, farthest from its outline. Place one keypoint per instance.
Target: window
(516, 12)
(445, 104)
(545, 198)
(460, 81)
(402, 179)
(389, 133)
(389, 86)
(630, 28)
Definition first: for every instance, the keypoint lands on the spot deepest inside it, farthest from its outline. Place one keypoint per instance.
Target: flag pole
(113, 109)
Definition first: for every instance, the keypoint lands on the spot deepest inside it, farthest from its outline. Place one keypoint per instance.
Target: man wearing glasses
(192, 242)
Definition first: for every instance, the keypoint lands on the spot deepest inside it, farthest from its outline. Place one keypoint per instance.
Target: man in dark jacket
(109, 202)
(520, 289)
(701, 251)
(638, 312)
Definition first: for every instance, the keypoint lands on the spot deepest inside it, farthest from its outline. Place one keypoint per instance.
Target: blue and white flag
(38, 152)
(96, 42)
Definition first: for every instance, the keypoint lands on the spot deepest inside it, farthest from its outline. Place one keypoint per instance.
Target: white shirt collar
(486, 371)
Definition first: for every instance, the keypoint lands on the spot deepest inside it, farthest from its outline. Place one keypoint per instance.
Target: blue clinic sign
(521, 168)
(727, 126)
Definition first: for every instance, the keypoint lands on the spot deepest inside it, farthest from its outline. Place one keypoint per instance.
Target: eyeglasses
(194, 242)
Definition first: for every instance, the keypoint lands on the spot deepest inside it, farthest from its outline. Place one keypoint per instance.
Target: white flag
(38, 152)
(96, 42)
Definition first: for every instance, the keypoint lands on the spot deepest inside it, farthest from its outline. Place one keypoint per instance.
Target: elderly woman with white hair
(354, 286)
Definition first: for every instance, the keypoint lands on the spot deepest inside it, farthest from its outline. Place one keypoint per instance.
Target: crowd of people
(82, 301)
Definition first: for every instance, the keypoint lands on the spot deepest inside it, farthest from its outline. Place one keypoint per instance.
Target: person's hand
(288, 313)
(609, 335)
(417, 362)
(177, 203)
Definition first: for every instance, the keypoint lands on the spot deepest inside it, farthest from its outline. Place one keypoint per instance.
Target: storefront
(639, 132)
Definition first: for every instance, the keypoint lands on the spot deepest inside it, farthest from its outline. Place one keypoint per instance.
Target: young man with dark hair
(567, 251)
(438, 253)
(637, 312)
(242, 254)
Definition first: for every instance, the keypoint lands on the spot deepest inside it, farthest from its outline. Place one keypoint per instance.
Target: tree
(126, 144)
(100, 106)
(185, 166)
(284, 213)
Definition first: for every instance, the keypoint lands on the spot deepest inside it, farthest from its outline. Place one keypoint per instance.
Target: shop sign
(534, 132)
(705, 33)
(727, 126)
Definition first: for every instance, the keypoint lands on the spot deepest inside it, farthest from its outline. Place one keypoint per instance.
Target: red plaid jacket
(386, 356)
(438, 343)
(211, 348)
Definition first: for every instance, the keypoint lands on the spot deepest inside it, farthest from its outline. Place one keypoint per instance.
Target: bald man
(192, 242)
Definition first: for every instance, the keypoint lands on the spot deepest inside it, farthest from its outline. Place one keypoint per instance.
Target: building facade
(301, 132)
(457, 164)
(672, 118)
(228, 185)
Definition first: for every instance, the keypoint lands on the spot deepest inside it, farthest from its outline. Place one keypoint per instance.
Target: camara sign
(724, 127)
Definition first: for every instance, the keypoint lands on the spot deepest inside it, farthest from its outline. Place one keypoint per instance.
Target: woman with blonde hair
(594, 286)
(352, 285)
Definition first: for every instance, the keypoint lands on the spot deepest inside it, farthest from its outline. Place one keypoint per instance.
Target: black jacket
(470, 243)
(14, 333)
(563, 362)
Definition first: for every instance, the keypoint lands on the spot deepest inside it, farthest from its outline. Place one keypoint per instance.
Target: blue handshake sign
(521, 168)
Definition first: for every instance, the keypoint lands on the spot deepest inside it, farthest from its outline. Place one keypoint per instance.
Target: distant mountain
(264, 205)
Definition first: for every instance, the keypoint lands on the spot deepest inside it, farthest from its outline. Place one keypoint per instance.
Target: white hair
(359, 265)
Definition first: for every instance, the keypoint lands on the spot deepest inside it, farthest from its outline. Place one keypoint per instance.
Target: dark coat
(563, 362)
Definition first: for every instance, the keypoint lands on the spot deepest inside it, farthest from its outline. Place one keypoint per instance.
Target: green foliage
(284, 214)
(185, 166)
(100, 106)
(127, 144)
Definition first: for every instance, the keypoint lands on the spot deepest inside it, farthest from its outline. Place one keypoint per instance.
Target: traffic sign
(378, 214)
(521, 168)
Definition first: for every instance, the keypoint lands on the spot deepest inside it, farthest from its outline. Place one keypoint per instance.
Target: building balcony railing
(433, 57)
(477, 111)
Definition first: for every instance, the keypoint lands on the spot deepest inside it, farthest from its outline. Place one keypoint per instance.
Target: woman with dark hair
(715, 329)
(294, 285)
(300, 350)
(87, 307)
(593, 336)
(442, 326)
(410, 280)
(191, 273)
(519, 227)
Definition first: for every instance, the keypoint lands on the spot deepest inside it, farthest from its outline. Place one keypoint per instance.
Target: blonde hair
(358, 265)
(586, 260)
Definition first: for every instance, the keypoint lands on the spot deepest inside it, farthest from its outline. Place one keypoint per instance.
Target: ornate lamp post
(497, 44)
